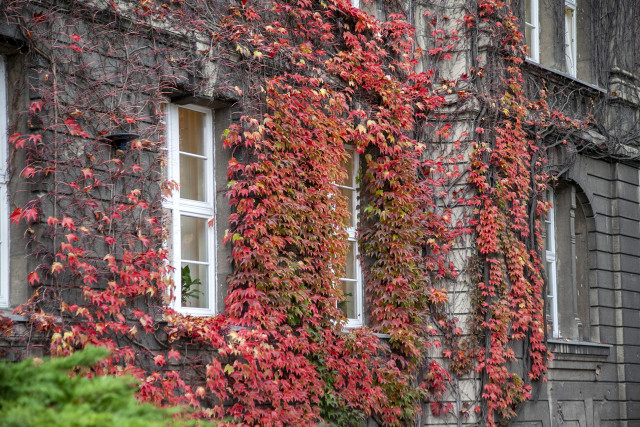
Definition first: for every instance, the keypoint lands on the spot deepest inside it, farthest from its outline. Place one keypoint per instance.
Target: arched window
(567, 255)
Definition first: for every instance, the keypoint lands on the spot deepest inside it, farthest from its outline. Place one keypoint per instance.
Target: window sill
(539, 66)
(6, 312)
(579, 348)
(350, 328)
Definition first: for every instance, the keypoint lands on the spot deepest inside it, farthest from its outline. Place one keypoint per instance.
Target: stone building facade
(591, 380)
(583, 53)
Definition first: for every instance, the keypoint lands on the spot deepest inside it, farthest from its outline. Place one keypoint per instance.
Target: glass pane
(550, 296)
(527, 12)
(352, 262)
(193, 238)
(194, 285)
(348, 305)
(569, 39)
(192, 178)
(547, 228)
(349, 196)
(349, 166)
(547, 266)
(191, 131)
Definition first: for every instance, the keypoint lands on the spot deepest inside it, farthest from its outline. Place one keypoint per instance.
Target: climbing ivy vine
(305, 80)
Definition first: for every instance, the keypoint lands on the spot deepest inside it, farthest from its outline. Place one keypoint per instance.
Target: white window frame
(4, 180)
(534, 26)
(551, 258)
(352, 238)
(570, 38)
(355, 3)
(192, 208)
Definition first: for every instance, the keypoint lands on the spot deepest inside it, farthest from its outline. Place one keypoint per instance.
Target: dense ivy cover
(309, 78)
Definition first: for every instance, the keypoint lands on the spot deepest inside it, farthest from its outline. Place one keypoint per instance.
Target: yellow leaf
(56, 267)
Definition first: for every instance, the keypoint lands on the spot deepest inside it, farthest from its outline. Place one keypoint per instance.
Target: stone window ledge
(15, 317)
(563, 75)
(579, 348)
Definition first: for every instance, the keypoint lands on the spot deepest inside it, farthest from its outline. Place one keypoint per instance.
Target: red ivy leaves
(342, 78)
(510, 285)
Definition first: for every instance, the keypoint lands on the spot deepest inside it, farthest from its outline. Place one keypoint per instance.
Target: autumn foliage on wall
(305, 80)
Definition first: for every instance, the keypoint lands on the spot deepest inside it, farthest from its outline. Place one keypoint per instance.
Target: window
(4, 178)
(570, 37)
(351, 280)
(190, 148)
(532, 29)
(559, 36)
(566, 256)
(550, 266)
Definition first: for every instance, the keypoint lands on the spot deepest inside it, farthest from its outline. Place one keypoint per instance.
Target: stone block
(630, 264)
(603, 280)
(608, 334)
(606, 317)
(630, 297)
(603, 260)
(630, 245)
(631, 335)
(601, 204)
(630, 318)
(626, 191)
(628, 209)
(602, 241)
(633, 412)
(629, 227)
(603, 297)
(632, 364)
(627, 174)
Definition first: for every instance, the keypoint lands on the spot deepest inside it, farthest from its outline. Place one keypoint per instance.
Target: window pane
(194, 285)
(348, 186)
(348, 305)
(570, 40)
(192, 178)
(193, 238)
(352, 262)
(348, 283)
(348, 165)
(527, 12)
(191, 131)
(349, 195)
(547, 230)
(194, 274)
